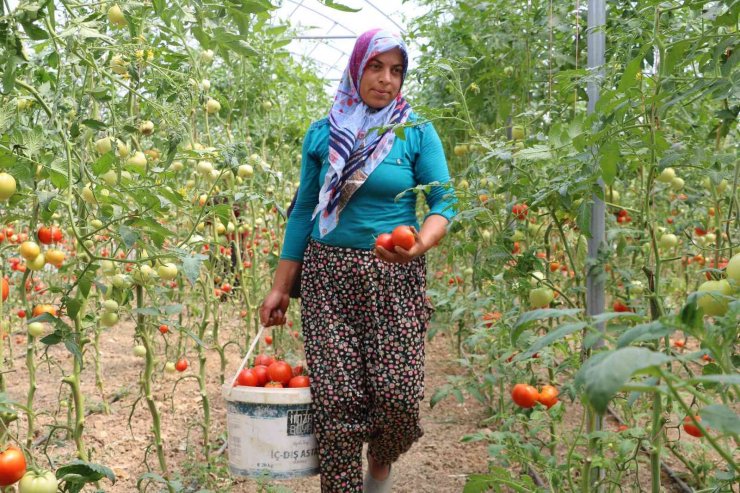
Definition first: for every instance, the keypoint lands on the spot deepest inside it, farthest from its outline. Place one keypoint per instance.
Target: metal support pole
(595, 295)
(595, 298)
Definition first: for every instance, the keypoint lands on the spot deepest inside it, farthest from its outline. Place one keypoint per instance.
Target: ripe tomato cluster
(271, 373)
(623, 216)
(526, 396)
(401, 236)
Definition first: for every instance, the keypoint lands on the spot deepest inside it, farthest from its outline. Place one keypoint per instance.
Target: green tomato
(139, 351)
(38, 482)
(167, 271)
(541, 297)
(110, 306)
(667, 175)
(169, 367)
(109, 319)
(37, 263)
(36, 329)
(668, 241)
(733, 268)
(713, 297)
(517, 132)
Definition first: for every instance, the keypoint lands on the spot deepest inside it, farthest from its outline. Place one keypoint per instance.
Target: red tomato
(403, 237)
(261, 372)
(163, 329)
(385, 241)
(56, 234)
(276, 385)
(226, 287)
(690, 428)
(44, 235)
(548, 396)
(520, 211)
(700, 231)
(299, 381)
(297, 370)
(620, 307)
(21, 313)
(268, 340)
(280, 371)
(623, 428)
(12, 465)
(181, 365)
(524, 395)
(263, 359)
(247, 378)
(6, 289)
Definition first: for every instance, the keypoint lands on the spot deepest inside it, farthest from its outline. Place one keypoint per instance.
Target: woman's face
(381, 80)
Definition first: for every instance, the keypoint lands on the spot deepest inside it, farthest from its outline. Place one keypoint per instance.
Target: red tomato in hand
(247, 378)
(403, 236)
(299, 381)
(524, 395)
(261, 372)
(280, 371)
(12, 465)
(385, 241)
(263, 359)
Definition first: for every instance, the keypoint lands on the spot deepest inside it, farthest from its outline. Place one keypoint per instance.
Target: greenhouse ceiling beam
(400, 28)
(300, 4)
(337, 36)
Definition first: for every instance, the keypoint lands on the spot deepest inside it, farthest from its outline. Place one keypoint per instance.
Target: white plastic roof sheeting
(327, 36)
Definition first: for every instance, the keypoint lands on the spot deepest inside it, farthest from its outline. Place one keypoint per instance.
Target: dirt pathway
(439, 462)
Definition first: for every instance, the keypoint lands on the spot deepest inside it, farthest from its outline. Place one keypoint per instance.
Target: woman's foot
(378, 471)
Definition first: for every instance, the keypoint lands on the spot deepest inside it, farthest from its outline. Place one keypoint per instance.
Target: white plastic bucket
(270, 431)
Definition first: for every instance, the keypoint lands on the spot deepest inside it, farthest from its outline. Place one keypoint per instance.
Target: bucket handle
(244, 361)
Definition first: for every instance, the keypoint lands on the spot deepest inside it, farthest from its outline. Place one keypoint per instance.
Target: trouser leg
(395, 360)
(336, 364)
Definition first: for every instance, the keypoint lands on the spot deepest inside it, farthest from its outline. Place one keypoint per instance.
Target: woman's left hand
(401, 256)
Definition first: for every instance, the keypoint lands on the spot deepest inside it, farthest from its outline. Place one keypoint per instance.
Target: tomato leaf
(608, 159)
(128, 235)
(604, 374)
(544, 313)
(338, 6)
(721, 418)
(81, 472)
(644, 332)
(440, 394)
(549, 338)
(191, 266)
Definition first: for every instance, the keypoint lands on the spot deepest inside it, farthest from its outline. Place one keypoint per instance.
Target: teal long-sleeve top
(373, 209)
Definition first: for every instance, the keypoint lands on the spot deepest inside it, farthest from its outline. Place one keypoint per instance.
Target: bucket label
(274, 441)
(300, 423)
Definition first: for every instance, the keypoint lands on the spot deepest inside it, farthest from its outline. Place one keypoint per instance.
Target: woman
(363, 309)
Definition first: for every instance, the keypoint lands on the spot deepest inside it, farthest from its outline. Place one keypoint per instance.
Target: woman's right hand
(273, 308)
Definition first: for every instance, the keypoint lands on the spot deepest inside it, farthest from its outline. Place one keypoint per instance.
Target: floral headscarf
(354, 150)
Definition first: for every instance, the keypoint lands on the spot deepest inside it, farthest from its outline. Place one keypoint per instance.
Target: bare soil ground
(439, 462)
